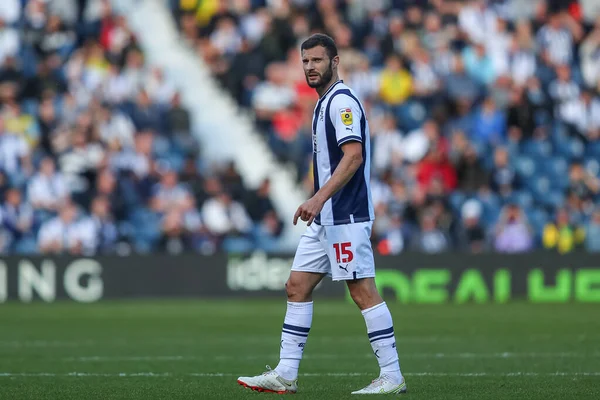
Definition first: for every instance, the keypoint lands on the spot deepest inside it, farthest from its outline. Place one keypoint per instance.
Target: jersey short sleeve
(345, 114)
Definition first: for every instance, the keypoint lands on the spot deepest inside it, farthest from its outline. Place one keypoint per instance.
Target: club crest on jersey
(346, 114)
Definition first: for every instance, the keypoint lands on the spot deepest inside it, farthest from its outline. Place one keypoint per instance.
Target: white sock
(381, 335)
(294, 333)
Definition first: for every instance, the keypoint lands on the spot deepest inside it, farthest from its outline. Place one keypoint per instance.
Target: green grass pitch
(196, 349)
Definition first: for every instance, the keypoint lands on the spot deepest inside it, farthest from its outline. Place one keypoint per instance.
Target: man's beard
(323, 81)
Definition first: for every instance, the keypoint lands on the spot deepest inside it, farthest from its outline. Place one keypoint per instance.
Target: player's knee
(365, 296)
(297, 291)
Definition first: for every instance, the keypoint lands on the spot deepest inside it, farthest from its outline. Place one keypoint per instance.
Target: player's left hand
(309, 210)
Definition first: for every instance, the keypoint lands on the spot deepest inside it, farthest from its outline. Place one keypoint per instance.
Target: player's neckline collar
(330, 87)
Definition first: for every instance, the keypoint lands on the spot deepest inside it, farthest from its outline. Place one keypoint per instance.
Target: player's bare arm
(349, 164)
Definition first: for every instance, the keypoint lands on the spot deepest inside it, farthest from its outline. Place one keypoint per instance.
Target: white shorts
(343, 252)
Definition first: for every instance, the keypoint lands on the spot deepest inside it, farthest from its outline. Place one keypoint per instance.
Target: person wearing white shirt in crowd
(138, 159)
(65, 233)
(364, 79)
(14, 150)
(477, 21)
(522, 61)
(116, 128)
(274, 94)
(416, 144)
(563, 89)
(117, 87)
(583, 114)
(222, 216)
(47, 189)
(158, 88)
(81, 157)
(170, 195)
(387, 145)
(498, 47)
(99, 228)
(425, 79)
(589, 53)
(9, 41)
(10, 11)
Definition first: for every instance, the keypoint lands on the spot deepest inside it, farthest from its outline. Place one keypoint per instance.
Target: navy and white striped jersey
(558, 43)
(340, 118)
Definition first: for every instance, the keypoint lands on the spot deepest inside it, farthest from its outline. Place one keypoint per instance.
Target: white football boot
(383, 385)
(269, 382)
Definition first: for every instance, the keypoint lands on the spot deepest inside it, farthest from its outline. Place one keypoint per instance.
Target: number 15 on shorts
(343, 254)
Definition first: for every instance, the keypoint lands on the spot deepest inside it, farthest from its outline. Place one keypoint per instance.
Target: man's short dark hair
(320, 39)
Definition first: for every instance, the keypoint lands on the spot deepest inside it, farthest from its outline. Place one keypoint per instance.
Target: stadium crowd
(96, 149)
(485, 114)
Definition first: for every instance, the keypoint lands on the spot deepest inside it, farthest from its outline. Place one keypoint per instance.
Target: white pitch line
(227, 339)
(322, 356)
(330, 374)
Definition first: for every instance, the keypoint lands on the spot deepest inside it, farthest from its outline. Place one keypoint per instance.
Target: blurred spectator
(9, 38)
(396, 83)
(504, 179)
(471, 235)
(418, 142)
(430, 239)
(169, 195)
(459, 84)
(563, 89)
(388, 145)
(180, 126)
(159, 89)
(425, 82)
(489, 124)
(47, 190)
(477, 21)
(268, 231)
(106, 187)
(470, 173)
(522, 59)
(393, 40)
(224, 216)
(582, 116)
(14, 151)
(115, 128)
(137, 160)
(479, 65)
(179, 230)
(145, 114)
(66, 234)
(592, 237)
(232, 181)
(512, 232)
(258, 203)
(10, 11)
(103, 226)
(589, 52)
(520, 116)
(56, 39)
(16, 219)
(582, 183)
(273, 95)
(436, 165)
(561, 234)
(557, 37)
(395, 238)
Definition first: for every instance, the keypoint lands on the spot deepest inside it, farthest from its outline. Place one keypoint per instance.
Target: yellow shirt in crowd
(395, 87)
(563, 239)
(205, 9)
